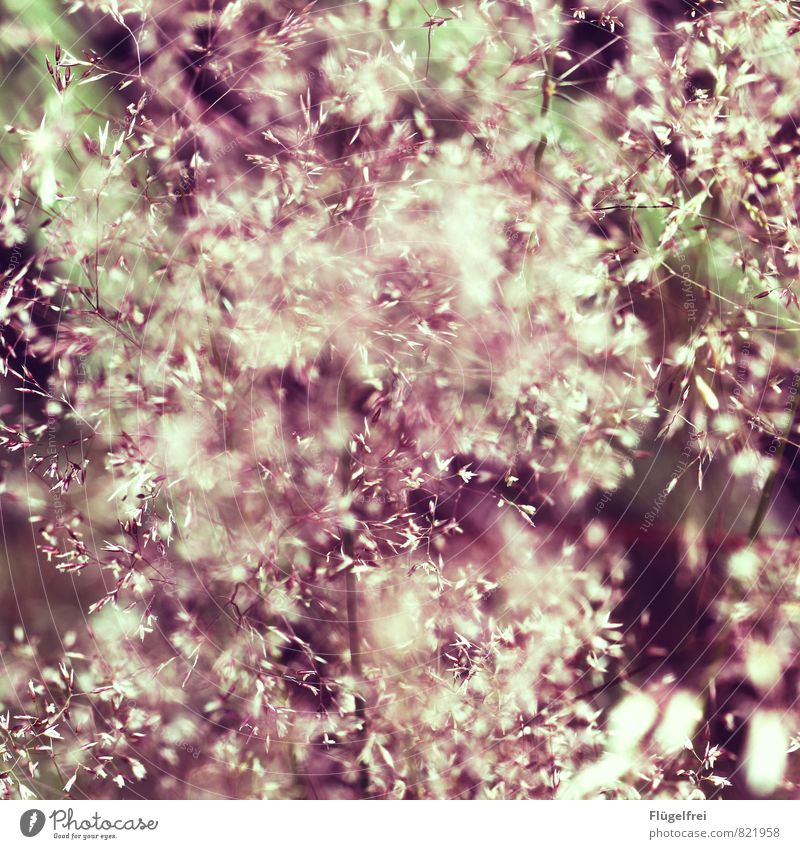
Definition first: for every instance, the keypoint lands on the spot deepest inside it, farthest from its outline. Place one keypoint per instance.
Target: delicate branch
(353, 629)
(769, 484)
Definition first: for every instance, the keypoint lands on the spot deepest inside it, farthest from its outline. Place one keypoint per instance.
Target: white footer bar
(416, 825)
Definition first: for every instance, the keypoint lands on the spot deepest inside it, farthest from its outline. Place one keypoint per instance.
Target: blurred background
(399, 401)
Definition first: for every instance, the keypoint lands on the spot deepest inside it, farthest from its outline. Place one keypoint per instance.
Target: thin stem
(548, 86)
(547, 92)
(428, 57)
(354, 633)
(635, 206)
(769, 484)
(97, 253)
(215, 354)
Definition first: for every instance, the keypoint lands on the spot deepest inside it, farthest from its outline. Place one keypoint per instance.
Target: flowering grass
(399, 402)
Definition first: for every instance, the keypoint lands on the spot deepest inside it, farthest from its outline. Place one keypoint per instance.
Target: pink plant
(403, 403)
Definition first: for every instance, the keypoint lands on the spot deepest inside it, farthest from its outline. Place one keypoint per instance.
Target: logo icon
(31, 822)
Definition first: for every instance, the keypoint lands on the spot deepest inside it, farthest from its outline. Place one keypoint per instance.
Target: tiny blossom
(401, 402)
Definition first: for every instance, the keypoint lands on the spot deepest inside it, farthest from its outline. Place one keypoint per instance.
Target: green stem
(755, 529)
(769, 484)
(547, 93)
(354, 634)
